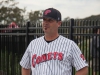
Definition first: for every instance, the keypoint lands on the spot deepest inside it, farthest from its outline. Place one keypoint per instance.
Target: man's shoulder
(65, 38)
(38, 39)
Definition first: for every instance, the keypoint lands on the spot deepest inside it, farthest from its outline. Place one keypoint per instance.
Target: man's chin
(46, 31)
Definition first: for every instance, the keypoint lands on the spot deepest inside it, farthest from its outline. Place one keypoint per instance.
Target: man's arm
(83, 71)
(26, 71)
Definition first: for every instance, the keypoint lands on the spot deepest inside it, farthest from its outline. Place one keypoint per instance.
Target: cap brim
(40, 17)
(46, 17)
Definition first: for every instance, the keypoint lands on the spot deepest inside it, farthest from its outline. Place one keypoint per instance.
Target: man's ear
(59, 23)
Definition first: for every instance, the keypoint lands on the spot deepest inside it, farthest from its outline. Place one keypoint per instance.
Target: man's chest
(48, 53)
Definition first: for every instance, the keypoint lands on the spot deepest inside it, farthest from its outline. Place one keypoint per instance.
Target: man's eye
(44, 19)
(50, 20)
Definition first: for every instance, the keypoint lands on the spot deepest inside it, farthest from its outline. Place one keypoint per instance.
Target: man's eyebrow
(48, 19)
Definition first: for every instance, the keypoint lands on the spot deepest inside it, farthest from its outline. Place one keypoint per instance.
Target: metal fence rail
(14, 41)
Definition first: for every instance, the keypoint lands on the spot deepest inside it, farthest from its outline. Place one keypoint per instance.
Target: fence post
(27, 33)
(71, 29)
(71, 37)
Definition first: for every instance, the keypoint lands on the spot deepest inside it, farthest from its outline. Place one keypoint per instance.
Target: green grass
(84, 46)
(10, 63)
(91, 72)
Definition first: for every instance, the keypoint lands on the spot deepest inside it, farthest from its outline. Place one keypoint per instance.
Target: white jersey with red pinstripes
(54, 58)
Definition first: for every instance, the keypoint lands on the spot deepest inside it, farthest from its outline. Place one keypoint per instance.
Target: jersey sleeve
(25, 61)
(78, 59)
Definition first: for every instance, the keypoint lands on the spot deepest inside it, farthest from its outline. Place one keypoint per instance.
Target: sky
(68, 8)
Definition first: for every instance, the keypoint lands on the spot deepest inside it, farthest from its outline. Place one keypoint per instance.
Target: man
(53, 54)
(95, 50)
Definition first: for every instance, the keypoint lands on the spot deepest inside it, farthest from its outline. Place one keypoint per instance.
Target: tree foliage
(34, 16)
(9, 12)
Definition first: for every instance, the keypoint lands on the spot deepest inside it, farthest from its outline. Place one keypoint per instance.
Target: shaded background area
(13, 44)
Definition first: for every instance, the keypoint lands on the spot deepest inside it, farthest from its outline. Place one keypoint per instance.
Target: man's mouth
(46, 27)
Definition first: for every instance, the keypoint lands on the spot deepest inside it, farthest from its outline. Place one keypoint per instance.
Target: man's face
(50, 25)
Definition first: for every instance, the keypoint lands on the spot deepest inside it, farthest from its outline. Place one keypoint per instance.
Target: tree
(66, 19)
(34, 16)
(10, 12)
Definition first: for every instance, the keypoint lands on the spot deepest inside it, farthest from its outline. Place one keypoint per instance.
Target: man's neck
(50, 37)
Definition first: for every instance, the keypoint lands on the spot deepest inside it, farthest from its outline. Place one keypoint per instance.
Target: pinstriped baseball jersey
(54, 58)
